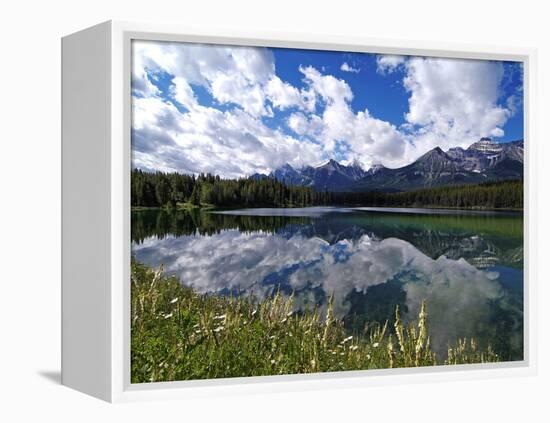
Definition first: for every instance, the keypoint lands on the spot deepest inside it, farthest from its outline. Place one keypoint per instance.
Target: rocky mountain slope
(484, 160)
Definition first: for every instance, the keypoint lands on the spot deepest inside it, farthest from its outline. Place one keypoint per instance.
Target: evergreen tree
(195, 198)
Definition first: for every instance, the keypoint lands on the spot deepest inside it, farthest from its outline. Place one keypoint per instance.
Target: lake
(468, 266)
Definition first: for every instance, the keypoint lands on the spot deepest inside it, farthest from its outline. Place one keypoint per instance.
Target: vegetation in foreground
(178, 334)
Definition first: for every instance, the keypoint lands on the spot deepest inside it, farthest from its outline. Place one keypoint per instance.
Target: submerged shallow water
(468, 266)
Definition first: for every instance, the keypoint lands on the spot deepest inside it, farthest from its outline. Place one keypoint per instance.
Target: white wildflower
(375, 345)
(167, 316)
(174, 300)
(353, 347)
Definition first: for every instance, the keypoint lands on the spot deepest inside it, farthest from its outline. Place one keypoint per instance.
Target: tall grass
(178, 334)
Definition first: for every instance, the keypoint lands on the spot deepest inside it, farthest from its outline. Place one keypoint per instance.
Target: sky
(235, 111)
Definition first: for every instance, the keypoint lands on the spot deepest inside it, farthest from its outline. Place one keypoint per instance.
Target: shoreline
(373, 208)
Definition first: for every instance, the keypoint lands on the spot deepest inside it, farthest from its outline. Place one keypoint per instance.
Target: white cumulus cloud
(347, 68)
(233, 142)
(454, 102)
(388, 63)
(450, 103)
(368, 139)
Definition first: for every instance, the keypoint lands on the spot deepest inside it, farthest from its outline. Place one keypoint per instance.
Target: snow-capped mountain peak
(481, 160)
(486, 146)
(375, 168)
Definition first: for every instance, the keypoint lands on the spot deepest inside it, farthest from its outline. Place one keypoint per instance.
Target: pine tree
(195, 198)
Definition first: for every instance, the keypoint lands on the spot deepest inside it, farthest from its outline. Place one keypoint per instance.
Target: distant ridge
(482, 161)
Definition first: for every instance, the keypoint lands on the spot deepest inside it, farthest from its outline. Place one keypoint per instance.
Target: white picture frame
(96, 119)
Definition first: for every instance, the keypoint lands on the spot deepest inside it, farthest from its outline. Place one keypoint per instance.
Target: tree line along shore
(174, 190)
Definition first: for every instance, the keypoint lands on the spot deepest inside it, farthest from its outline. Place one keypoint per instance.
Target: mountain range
(484, 160)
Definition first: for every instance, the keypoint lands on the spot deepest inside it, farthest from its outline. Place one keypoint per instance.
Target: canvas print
(302, 211)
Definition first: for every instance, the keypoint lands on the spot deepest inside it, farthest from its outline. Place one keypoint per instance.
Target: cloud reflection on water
(459, 295)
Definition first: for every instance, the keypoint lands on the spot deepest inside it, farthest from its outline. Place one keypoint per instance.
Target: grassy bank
(178, 334)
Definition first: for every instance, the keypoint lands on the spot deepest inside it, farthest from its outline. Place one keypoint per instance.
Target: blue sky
(235, 111)
(383, 94)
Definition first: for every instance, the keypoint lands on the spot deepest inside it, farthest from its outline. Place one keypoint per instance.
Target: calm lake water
(467, 266)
